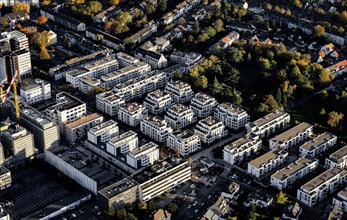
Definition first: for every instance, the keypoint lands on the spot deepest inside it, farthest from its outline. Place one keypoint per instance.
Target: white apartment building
(341, 199)
(186, 58)
(87, 83)
(132, 113)
(154, 59)
(143, 156)
(157, 102)
(318, 188)
(77, 130)
(180, 116)
(241, 149)
(103, 132)
(183, 142)
(125, 74)
(269, 124)
(293, 172)
(318, 144)
(36, 92)
(156, 128)
(209, 130)
(108, 102)
(180, 91)
(291, 137)
(94, 69)
(122, 144)
(5, 180)
(337, 159)
(203, 104)
(231, 115)
(267, 163)
(126, 60)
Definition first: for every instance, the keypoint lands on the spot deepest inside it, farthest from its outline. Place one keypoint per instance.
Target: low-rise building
(217, 210)
(210, 129)
(122, 144)
(269, 124)
(181, 92)
(5, 179)
(143, 156)
(226, 41)
(183, 142)
(293, 172)
(234, 191)
(189, 59)
(77, 130)
(108, 102)
(36, 92)
(239, 150)
(180, 116)
(339, 68)
(337, 159)
(156, 128)
(132, 113)
(267, 163)
(292, 212)
(259, 200)
(291, 137)
(341, 199)
(318, 188)
(162, 214)
(154, 59)
(231, 115)
(87, 83)
(157, 102)
(318, 144)
(203, 104)
(64, 20)
(103, 132)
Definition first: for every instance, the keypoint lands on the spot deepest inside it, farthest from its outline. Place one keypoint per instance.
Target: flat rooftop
(293, 168)
(103, 125)
(98, 63)
(209, 121)
(123, 136)
(36, 117)
(317, 141)
(339, 154)
(143, 148)
(287, 135)
(126, 56)
(322, 178)
(158, 94)
(179, 108)
(84, 120)
(203, 97)
(90, 80)
(65, 102)
(117, 187)
(123, 71)
(34, 84)
(267, 157)
(185, 134)
(179, 85)
(269, 118)
(3, 170)
(132, 107)
(155, 120)
(231, 108)
(242, 141)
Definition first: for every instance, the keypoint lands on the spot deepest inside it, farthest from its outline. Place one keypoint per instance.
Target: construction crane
(15, 94)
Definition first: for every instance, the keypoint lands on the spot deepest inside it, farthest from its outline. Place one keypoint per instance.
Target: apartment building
(183, 142)
(210, 129)
(154, 59)
(66, 110)
(46, 133)
(14, 56)
(126, 60)
(77, 130)
(36, 92)
(267, 163)
(269, 124)
(64, 20)
(157, 102)
(5, 179)
(108, 102)
(293, 172)
(203, 104)
(231, 115)
(125, 74)
(95, 69)
(132, 113)
(156, 128)
(88, 83)
(181, 92)
(186, 58)
(341, 199)
(291, 137)
(318, 188)
(241, 149)
(103, 132)
(143, 156)
(337, 159)
(122, 144)
(17, 144)
(317, 145)
(180, 116)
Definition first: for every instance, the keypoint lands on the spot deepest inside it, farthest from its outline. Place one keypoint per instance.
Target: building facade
(143, 156)
(337, 159)
(232, 116)
(155, 128)
(108, 102)
(184, 142)
(203, 105)
(210, 130)
(37, 92)
(157, 102)
(122, 144)
(180, 91)
(180, 116)
(103, 132)
(132, 113)
(318, 144)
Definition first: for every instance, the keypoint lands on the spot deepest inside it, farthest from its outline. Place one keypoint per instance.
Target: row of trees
(119, 24)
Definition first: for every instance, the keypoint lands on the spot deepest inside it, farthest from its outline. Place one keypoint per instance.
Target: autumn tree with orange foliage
(42, 19)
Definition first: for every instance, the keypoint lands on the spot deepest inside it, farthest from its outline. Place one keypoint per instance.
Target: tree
(334, 118)
(205, 2)
(217, 87)
(162, 5)
(297, 3)
(202, 82)
(109, 212)
(190, 161)
(252, 215)
(44, 55)
(196, 26)
(20, 6)
(39, 39)
(282, 198)
(211, 31)
(94, 7)
(279, 95)
(142, 205)
(113, 2)
(172, 207)
(152, 205)
(318, 31)
(234, 76)
(150, 9)
(42, 19)
(219, 25)
(268, 6)
(322, 111)
(121, 213)
(236, 55)
(131, 216)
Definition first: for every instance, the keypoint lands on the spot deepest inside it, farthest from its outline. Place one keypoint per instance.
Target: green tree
(131, 216)
(234, 76)
(205, 2)
(94, 7)
(190, 161)
(282, 198)
(179, 74)
(334, 118)
(211, 31)
(219, 25)
(297, 3)
(236, 56)
(121, 213)
(142, 205)
(318, 31)
(150, 9)
(268, 6)
(162, 5)
(113, 2)
(172, 207)
(196, 26)
(109, 212)
(265, 64)
(278, 96)
(252, 214)
(152, 205)
(217, 87)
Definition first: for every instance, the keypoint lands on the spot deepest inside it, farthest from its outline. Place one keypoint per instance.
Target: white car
(189, 206)
(196, 210)
(195, 203)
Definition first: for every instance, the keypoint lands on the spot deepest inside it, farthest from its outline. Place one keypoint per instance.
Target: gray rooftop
(324, 177)
(287, 135)
(317, 141)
